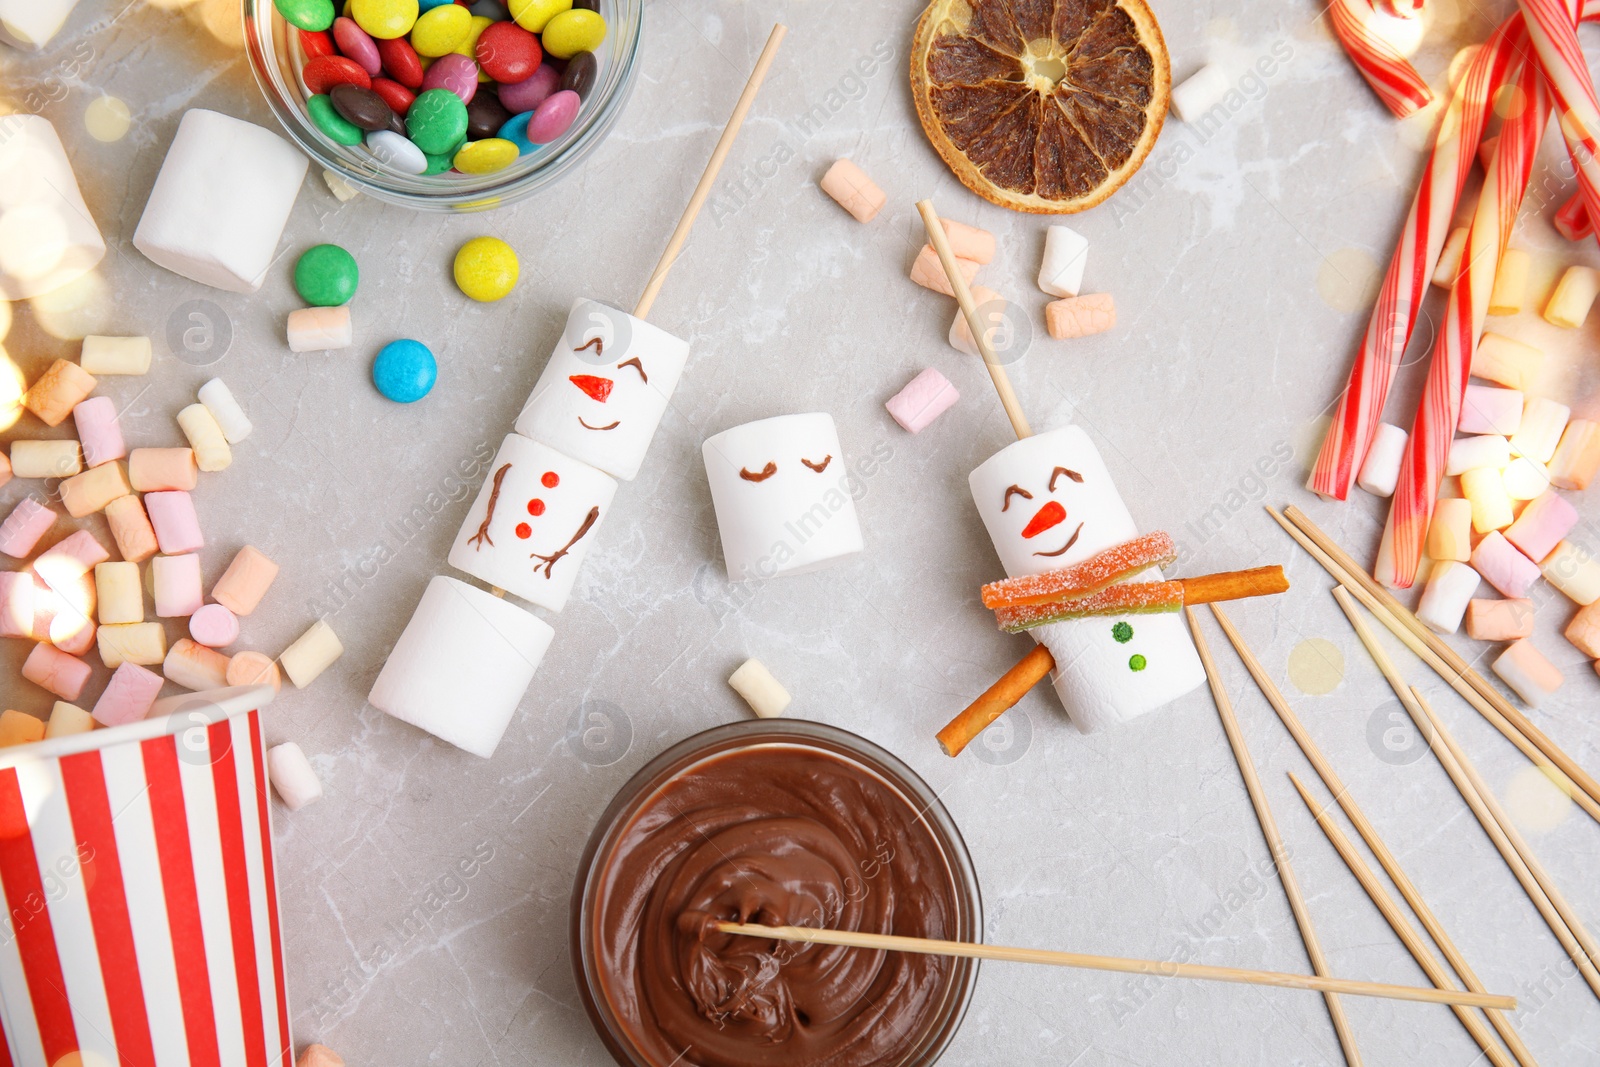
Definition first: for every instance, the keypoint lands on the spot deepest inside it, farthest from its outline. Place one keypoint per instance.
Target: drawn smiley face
(1050, 514)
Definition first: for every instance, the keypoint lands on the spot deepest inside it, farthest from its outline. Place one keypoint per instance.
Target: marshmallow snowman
(533, 522)
(605, 388)
(1048, 501)
(781, 491)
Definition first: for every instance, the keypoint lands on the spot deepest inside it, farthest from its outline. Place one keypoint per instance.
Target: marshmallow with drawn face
(1048, 501)
(605, 388)
(533, 522)
(782, 492)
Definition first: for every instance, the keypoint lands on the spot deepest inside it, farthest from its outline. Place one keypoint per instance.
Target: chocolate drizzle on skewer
(479, 539)
(550, 561)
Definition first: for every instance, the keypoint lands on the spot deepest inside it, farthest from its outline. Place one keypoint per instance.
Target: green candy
(326, 276)
(437, 121)
(310, 15)
(439, 164)
(339, 129)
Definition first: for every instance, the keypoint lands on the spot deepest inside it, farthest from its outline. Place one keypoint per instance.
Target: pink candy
(27, 523)
(1542, 525)
(177, 585)
(455, 72)
(70, 560)
(99, 432)
(551, 119)
(128, 696)
(214, 626)
(16, 604)
(354, 44)
(1503, 567)
(925, 398)
(54, 670)
(529, 94)
(176, 524)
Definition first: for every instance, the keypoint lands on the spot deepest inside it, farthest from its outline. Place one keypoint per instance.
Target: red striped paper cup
(141, 902)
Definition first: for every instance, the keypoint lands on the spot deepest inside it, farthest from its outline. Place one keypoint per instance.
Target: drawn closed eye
(818, 467)
(595, 342)
(1015, 490)
(636, 365)
(759, 476)
(1058, 472)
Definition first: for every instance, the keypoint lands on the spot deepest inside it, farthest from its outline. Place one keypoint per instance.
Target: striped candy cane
(1572, 218)
(1552, 27)
(1390, 74)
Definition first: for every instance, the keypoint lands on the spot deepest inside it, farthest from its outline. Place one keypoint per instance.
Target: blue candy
(429, 5)
(404, 371)
(516, 131)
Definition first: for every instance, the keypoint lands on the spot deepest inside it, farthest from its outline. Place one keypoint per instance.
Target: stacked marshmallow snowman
(1048, 502)
(466, 658)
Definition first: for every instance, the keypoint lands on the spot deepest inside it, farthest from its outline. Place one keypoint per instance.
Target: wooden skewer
(1122, 965)
(1397, 921)
(1423, 651)
(997, 370)
(702, 191)
(1269, 830)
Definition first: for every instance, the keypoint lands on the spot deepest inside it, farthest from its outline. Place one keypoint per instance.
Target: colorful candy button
(437, 121)
(508, 53)
(486, 156)
(398, 152)
(440, 30)
(404, 371)
(327, 119)
(324, 72)
(439, 163)
(486, 268)
(326, 276)
(385, 19)
(401, 62)
(571, 32)
(554, 117)
(516, 131)
(583, 70)
(307, 14)
(532, 15)
(355, 43)
(531, 92)
(454, 72)
(362, 107)
(316, 43)
(397, 96)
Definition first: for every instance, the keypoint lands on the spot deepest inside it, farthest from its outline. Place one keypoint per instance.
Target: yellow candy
(439, 31)
(571, 32)
(469, 47)
(486, 268)
(385, 19)
(531, 15)
(486, 156)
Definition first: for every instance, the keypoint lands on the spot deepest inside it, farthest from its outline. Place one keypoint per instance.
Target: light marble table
(1243, 262)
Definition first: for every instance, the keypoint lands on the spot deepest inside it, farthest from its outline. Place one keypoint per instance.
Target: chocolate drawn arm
(550, 561)
(479, 539)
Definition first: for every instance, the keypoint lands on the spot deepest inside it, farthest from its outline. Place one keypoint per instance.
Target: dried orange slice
(1046, 106)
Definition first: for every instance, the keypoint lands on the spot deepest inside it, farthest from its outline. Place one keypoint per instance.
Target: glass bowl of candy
(444, 106)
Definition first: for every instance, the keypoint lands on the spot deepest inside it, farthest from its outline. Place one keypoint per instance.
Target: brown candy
(485, 115)
(362, 107)
(582, 70)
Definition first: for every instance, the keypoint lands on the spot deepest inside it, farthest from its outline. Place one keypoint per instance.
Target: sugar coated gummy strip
(1124, 598)
(1089, 576)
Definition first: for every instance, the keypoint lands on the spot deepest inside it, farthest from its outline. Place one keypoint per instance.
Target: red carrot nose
(597, 388)
(1049, 515)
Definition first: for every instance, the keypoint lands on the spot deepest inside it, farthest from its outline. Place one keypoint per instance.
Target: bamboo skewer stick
(1397, 921)
(1119, 964)
(1269, 830)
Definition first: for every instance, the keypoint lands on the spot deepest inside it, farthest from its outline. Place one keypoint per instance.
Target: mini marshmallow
(176, 524)
(1066, 253)
(66, 720)
(5, 469)
(342, 190)
(60, 389)
(1476, 453)
(177, 586)
(1577, 457)
(211, 451)
(194, 666)
(1449, 533)
(1584, 630)
(119, 592)
(144, 643)
(65, 618)
(1526, 670)
(1488, 409)
(116, 355)
(50, 668)
(220, 202)
(99, 432)
(155, 470)
(1542, 525)
(928, 272)
(1573, 297)
(1380, 471)
(46, 231)
(28, 522)
(1525, 479)
(31, 24)
(19, 728)
(852, 190)
(214, 626)
(70, 560)
(1444, 598)
(1503, 566)
(131, 529)
(320, 329)
(292, 776)
(1500, 620)
(990, 307)
(89, 492)
(128, 696)
(16, 604)
(924, 398)
(1491, 506)
(1510, 283)
(1574, 571)
(462, 665)
(230, 418)
(245, 582)
(312, 653)
(1199, 93)
(1542, 423)
(45, 459)
(968, 242)
(766, 697)
(1509, 363)
(253, 668)
(1080, 316)
(1444, 275)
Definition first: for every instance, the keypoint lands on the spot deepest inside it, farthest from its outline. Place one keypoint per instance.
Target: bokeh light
(12, 386)
(76, 309)
(107, 119)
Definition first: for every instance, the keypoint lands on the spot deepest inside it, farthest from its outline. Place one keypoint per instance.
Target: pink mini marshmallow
(27, 523)
(1490, 409)
(131, 529)
(1542, 525)
(1526, 670)
(178, 590)
(1503, 567)
(1500, 620)
(54, 670)
(925, 398)
(176, 524)
(99, 432)
(155, 470)
(1584, 630)
(16, 604)
(194, 666)
(5, 468)
(128, 696)
(67, 563)
(245, 582)
(214, 626)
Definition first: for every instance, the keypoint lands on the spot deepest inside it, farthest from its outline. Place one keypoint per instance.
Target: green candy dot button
(1137, 663)
(1123, 633)
(326, 276)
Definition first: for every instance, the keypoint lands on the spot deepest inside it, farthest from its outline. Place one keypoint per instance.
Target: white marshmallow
(231, 419)
(115, 355)
(320, 329)
(30, 24)
(1381, 469)
(765, 695)
(1066, 253)
(47, 236)
(591, 407)
(291, 774)
(1199, 92)
(1475, 453)
(782, 492)
(221, 201)
(1542, 422)
(462, 665)
(1444, 599)
(533, 522)
(1065, 496)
